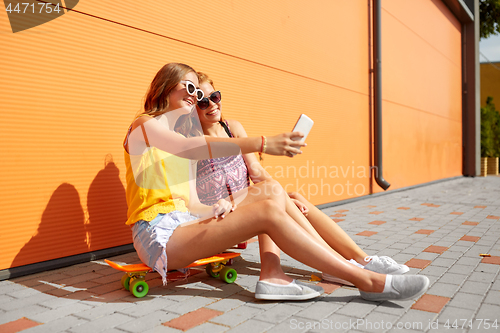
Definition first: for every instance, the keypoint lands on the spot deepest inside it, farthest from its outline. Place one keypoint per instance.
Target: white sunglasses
(193, 91)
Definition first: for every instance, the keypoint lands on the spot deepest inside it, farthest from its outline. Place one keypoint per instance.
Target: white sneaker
(385, 265)
(400, 288)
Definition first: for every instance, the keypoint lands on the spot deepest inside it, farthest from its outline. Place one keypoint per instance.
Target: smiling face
(179, 98)
(212, 114)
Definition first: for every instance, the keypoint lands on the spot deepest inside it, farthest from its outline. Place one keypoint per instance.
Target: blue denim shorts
(150, 239)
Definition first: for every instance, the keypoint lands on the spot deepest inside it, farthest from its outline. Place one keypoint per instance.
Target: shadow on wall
(65, 231)
(107, 209)
(62, 226)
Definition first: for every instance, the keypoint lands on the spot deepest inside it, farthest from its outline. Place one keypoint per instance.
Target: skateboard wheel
(209, 270)
(126, 282)
(228, 275)
(242, 245)
(139, 288)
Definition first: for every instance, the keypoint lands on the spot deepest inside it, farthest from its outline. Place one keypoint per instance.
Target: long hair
(167, 78)
(189, 124)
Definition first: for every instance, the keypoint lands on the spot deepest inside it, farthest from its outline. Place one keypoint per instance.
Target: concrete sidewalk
(439, 230)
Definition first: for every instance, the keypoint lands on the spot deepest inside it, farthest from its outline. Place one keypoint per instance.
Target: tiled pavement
(439, 230)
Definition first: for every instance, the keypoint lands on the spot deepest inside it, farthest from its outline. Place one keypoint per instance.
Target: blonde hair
(189, 124)
(167, 78)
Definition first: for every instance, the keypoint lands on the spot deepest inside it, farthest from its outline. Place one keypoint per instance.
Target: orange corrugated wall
(70, 88)
(422, 96)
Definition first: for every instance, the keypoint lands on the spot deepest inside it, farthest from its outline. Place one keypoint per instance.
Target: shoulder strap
(226, 128)
(125, 141)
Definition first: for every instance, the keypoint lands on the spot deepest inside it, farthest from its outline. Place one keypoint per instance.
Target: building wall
(71, 87)
(422, 112)
(490, 83)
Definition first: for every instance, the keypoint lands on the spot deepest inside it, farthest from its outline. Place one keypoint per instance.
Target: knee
(272, 212)
(273, 190)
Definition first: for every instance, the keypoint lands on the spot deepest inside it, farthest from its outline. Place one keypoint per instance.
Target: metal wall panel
(70, 88)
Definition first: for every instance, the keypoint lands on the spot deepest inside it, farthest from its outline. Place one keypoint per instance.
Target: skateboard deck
(134, 278)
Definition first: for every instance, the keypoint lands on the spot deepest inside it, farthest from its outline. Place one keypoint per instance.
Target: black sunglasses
(205, 101)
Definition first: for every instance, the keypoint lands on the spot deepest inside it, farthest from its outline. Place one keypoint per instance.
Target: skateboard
(134, 277)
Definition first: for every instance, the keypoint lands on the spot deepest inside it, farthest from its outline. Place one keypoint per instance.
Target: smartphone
(304, 125)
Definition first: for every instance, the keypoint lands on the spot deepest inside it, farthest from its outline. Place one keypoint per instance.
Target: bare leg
(202, 238)
(297, 215)
(270, 268)
(269, 189)
(332, 233)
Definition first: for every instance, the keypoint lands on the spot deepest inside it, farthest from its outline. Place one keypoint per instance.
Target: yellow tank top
(157, 182)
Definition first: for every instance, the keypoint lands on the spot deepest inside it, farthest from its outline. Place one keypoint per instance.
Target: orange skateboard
(134, 278)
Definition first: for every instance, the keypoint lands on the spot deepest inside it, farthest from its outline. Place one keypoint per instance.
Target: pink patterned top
(218, 178)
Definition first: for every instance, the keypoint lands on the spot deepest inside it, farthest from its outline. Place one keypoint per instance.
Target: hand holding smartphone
(304, 125)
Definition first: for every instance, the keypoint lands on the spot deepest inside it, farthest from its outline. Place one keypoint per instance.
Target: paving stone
(357, 308)
(487, 311)
(476, 250)
(58, 325)
(416, 320)
(377, 322)
(189, 305)
(25, 301)
(482, 277)
(493, 297)
(443, 262)
(102, 310)
(336, 323)
(18, 325)
(57, 302)
(143, 308)
(295, 324)
(487, 268)
(443, 289)
(237, 316)
(468, 261)
(418, 263)
(59, 312)
(318, 310)
(23, 293)
(278, 313)
(436, 249)
(466, 301)
(208, 327)
(491, 260)
(27, 311)
(427, 256)
(430, 303)
(102, 323)
(473, 287)
(225, 305)
(434, 270)
(461, 269)
(452, 278)
(147, 321)
(7, 286)
(251, 326)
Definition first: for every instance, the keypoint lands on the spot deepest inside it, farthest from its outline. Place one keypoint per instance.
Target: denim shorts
(150, 239)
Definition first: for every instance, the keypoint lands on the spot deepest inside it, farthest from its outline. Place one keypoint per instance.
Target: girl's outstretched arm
(147, 131)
